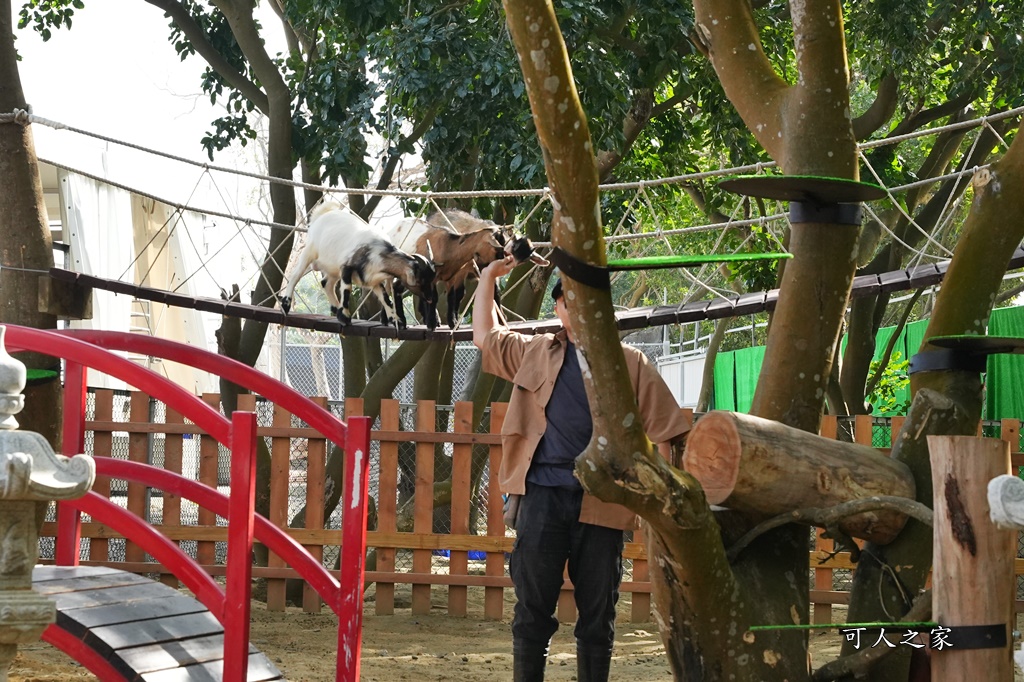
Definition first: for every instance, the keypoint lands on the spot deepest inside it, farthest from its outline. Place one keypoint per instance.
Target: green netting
(1003, 395)
(725, 381)
(654, 262)
(748, 368)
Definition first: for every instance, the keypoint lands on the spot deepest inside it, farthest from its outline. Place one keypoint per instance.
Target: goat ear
(430, 252)
(539, 260)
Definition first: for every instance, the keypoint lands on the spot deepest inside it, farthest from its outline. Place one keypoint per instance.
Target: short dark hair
(556, 291)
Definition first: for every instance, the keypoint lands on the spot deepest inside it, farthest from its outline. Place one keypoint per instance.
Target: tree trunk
(707, 380)
(26, 247)
(945, 403)
(764, 467)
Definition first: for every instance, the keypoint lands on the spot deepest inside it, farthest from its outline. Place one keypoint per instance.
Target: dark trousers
(549, 533)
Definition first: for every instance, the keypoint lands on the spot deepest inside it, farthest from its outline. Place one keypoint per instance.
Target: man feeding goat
(344, 248)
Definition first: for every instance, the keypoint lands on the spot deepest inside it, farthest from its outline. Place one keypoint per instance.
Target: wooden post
(173, 450)
(138, 451)
(821, 612)
(316, 462)
(387, 495)
(280, 471)
(494, 597)
(462, 471)
(423, 504)
(972, 578)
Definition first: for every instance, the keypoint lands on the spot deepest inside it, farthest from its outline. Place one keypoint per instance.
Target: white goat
(344, 248)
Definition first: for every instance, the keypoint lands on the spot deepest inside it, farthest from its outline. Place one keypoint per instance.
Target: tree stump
(765, 467)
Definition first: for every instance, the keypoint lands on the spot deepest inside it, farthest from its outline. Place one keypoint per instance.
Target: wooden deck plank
(112, 614)
(83, 583)
(175, 654)
(260, 670)
(157, 630)
(43, 574)
(115, 594)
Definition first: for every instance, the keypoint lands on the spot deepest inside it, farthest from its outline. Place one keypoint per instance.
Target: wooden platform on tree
(148, 631)
(636, 318)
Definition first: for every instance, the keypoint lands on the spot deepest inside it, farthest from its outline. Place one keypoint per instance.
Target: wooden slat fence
(476, 555)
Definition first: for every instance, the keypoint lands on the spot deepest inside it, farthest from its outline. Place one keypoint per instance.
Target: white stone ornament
(1006, 502)
(31, 475)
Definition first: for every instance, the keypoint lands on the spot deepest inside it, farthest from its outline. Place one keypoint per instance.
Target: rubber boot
(528, 660)
(592, 662)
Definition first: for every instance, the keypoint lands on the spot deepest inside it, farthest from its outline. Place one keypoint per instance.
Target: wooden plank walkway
(148, 631)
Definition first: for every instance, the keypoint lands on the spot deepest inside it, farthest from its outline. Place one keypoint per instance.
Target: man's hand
(485, 317)
(498, 268)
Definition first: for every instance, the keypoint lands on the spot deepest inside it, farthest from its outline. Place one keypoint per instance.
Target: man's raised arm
(485, 315)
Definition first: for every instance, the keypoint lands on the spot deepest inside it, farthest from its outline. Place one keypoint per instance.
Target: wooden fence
(476, 554)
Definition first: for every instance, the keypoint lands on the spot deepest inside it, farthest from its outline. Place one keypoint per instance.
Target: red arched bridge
(127, 627)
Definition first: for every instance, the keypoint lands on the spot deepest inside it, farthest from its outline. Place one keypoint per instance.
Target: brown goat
(458, 255)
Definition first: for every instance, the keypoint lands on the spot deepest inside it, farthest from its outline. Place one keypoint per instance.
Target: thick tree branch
(1010, 294)
(290, 35)
(881, 110)
(280, 164)
(181, 17)
(728, 29)
(636, 120)
(923, 118)
(831, 516)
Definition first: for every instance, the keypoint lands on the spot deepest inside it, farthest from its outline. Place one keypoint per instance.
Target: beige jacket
(532, 363)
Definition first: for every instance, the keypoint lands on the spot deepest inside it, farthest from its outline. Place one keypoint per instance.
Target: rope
(903, 211)
(20, 116)
(172, 204)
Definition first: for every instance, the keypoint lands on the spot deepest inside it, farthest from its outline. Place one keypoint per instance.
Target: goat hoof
(334, 311)
(286, 304)
(344, 319)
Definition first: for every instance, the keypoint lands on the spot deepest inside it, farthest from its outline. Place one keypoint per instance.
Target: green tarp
(725, 382)
(748, 368)
(1004, 385)
(736, 372)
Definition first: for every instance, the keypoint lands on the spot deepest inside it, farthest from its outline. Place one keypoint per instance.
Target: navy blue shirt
(569, 428)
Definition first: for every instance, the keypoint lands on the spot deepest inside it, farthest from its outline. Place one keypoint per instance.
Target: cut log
(765, 467)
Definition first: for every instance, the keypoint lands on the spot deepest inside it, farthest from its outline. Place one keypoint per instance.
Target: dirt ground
(422, 648)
